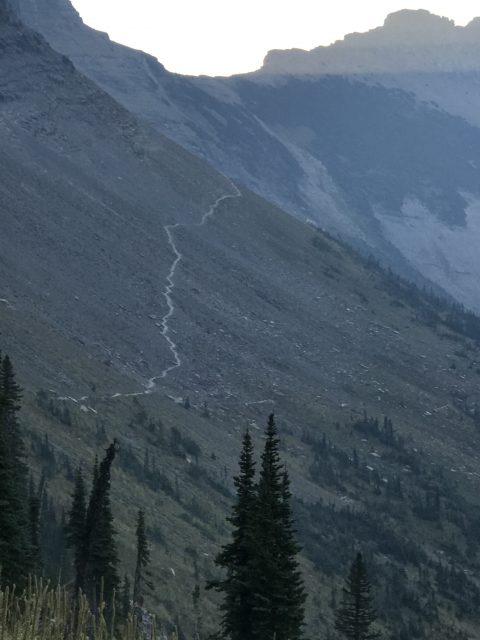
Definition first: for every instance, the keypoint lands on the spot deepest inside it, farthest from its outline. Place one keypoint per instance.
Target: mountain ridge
(420, 41)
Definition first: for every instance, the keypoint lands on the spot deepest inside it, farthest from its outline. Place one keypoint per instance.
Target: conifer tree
(237, 557)
(294, 594)
(75, 527)
(356, 614)
(98, 558)
(279, 595)
(141, 580)
(15, 555)
(34, 506)
(263, 589)
(197, 612)
(53, 526)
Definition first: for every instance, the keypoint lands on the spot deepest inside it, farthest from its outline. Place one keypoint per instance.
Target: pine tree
(263, 589)
(15, 553)
(98, 558)
(75, 527)
(34, 507)
(294, 594)
(279, 595)
(197, 612)
(356, 614)
(143, 558)
(53, 526)
(238, 556)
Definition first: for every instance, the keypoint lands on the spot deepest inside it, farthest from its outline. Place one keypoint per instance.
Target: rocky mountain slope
(373, 171)
(133, 276)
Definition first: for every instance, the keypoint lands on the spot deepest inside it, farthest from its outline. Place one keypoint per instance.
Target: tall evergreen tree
(237, 557)
(15, 553)
(53, 543)
(141, 579)
(279, 595)
(263, 588)
(294, 595)
(98, 559)
(356, 614)
(34, 507)
(75, 527)
(197, 612)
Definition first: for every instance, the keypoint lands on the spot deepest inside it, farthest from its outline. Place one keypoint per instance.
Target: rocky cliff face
(409, 41)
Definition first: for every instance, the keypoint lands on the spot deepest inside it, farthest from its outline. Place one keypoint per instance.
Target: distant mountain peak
(418, 19)
(409, 40)
(473, 27)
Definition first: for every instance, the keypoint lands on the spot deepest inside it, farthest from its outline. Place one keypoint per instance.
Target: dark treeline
(433, 307)
(35, 542)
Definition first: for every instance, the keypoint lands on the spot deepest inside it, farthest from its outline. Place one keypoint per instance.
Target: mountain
(280, 131)
(410, 41)
(134, 276)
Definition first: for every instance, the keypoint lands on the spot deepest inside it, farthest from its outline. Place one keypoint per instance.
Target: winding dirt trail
(151, 384)
(169, 230)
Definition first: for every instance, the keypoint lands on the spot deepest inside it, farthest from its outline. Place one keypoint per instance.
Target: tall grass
(45, 613)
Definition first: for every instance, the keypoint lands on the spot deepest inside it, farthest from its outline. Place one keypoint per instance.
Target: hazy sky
(222, 37)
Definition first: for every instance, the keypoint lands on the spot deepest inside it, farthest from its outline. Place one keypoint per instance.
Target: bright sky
(222, 37)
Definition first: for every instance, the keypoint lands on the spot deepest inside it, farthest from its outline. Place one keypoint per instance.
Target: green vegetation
(276, 579)
(365, 479)
(263, 590)
(356, 615)
(238, 556)
(142, 580)
(98, 568)
(18, 523)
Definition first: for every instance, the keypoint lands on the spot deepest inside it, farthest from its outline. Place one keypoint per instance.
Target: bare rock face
(409, 41)
(419, 22)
